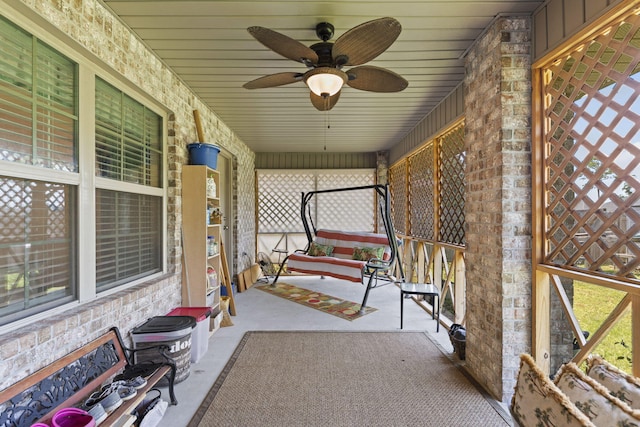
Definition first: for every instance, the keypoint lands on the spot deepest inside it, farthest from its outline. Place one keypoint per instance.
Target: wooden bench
(71, 379)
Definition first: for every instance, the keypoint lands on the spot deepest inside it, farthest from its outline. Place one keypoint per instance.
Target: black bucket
(172, 331)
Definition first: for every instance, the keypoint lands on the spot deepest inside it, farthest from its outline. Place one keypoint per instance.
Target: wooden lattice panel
(398, 189)
(452, 183)
(422, 186)
(347, 211)
(279, 198)
(592, 178)
(280, 195)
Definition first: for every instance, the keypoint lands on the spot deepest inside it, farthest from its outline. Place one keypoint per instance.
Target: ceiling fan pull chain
(326, 126)
(327, 123)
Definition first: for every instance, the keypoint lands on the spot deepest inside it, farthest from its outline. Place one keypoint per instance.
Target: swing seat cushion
(341, 263)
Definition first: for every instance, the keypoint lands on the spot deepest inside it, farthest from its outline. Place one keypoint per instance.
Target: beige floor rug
(344, 379)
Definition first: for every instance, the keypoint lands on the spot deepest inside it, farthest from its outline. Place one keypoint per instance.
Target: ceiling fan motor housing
(323, 50)
(324, 31)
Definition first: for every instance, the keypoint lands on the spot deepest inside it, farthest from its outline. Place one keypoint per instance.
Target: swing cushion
(320, 250)
(365, 254)
(341, 264)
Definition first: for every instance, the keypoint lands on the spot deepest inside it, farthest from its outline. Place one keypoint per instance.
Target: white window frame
(86, 180)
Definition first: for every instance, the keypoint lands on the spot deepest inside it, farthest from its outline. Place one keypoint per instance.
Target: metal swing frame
(373, 267)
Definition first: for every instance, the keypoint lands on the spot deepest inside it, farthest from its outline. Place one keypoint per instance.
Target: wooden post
(226, 280)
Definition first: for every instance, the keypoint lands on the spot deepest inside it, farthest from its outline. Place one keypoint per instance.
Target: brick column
(498, 204)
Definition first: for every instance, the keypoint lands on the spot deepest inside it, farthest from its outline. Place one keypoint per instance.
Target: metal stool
(425, 289)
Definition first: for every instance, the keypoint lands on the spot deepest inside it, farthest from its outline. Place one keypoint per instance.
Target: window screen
(128, 225)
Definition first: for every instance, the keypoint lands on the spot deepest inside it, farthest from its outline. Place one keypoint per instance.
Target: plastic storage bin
(203, 154)
(200, 334)
(173, 331)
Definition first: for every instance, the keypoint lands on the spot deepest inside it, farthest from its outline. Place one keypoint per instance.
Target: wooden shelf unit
(196, 290)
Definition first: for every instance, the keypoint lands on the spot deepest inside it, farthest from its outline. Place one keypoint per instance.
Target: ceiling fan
(325, 60)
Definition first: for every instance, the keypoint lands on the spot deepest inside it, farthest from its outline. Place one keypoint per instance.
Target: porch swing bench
(347, 255)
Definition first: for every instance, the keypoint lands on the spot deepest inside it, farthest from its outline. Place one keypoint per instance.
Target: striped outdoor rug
(339, 307)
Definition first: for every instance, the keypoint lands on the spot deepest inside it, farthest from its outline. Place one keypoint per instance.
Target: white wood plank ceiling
(207, 44)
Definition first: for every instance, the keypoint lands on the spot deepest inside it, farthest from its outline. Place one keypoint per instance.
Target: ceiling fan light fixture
(325, 80)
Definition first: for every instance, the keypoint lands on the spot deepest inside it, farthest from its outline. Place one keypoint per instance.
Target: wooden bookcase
(197, 228)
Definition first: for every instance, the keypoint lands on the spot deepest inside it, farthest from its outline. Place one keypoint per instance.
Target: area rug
(329, 304)
(318, 378)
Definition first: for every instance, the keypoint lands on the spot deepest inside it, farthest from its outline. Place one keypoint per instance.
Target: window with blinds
(128, 225)
(41, 254)
(38, 111)
(38, 127)
(128, 237)
(128, 138)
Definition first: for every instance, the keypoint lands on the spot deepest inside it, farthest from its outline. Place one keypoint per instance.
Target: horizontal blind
(38, 107)
(16, 89)
(128, 237)
(108, 130)
(56, 110)
(128, 138)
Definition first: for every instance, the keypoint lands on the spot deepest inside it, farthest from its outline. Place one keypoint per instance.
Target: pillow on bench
(367, 253)
(620, 384)
(316, 249)
(593, 399)
(537, 401)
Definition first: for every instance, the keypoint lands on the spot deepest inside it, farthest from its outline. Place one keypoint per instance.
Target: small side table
(426, 289)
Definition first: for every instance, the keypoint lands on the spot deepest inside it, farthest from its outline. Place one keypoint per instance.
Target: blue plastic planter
(203, 154)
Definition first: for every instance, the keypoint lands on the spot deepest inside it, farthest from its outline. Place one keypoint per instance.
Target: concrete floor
(258, 311)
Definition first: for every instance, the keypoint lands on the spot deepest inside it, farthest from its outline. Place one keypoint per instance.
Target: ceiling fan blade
(284, 45)
(366, 41)
(324, 104)
(273, 80)
(375, 79)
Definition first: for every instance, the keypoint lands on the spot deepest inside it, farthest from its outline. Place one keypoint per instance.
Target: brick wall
(498, 204)
(88, 24)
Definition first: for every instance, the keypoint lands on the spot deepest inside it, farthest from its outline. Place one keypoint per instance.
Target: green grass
(592, 304)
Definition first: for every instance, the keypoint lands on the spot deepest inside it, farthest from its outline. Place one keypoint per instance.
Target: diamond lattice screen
(421, 194)
(279, 197)
(280, 193)
(452, 184)
(398, 187)
(349, 210)
(593, 145)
